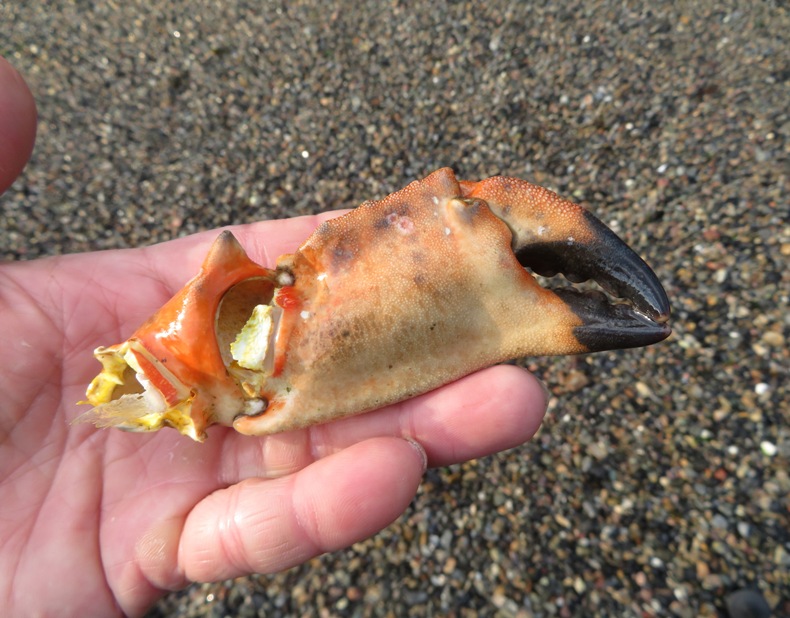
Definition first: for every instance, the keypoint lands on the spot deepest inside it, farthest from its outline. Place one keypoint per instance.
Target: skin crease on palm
(105, 522)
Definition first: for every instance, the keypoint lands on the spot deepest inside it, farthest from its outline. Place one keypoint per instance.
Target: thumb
(17, 124)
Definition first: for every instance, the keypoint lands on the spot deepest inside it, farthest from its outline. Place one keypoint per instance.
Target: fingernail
(546, 393)
(423, 455)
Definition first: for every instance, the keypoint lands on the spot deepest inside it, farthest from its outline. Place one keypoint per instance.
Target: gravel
(659, 482)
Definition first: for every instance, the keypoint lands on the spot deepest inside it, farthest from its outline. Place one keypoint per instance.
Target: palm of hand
(82, 498)
(113, 519)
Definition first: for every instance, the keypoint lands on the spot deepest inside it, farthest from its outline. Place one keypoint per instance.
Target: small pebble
(747, 604)
(768, 448)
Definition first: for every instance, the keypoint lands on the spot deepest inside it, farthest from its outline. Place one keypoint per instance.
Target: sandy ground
(659, 481)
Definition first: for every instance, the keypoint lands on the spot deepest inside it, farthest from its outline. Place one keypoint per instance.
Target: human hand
(101, 522)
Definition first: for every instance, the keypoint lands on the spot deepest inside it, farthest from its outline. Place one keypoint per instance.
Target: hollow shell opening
(235, 310)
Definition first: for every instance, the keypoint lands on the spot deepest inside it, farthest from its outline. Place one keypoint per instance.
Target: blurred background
(659, 482)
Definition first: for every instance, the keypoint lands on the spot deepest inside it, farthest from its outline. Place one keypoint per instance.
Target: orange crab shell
(391, 300)
(176, 348)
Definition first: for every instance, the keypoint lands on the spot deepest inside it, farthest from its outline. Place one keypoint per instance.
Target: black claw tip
(610, 327)
(605, 259)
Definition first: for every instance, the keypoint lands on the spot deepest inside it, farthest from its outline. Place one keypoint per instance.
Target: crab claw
(390, 301)
(551, 235)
